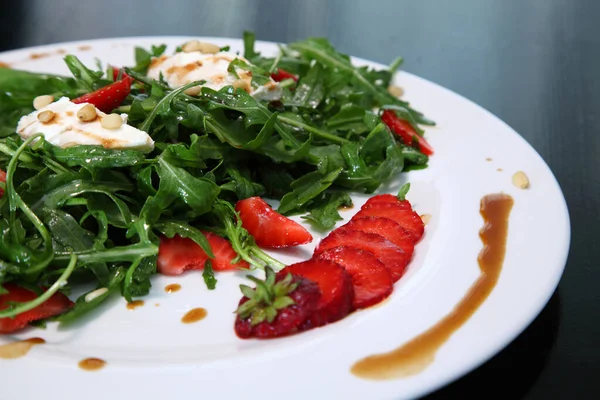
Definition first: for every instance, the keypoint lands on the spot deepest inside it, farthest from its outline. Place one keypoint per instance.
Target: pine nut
(46, 116)
(96, 293)
(195, 45)
(87, 113)
(242, 84)
(520, 180)
(42, 101)
(395, 91)
(111, 121)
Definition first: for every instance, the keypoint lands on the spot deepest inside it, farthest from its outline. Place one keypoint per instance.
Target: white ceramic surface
(152, 355)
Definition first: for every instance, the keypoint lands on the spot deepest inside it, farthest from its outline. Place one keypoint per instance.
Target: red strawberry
(336, 290)
(386, 199)
(371, 280)
(55, 305)
(385, 227)
(178, 254)
(408, 219)
(269, 228)
(392, 256)
(282, 74)
(109, 97)
(276, 307)
(2, 179)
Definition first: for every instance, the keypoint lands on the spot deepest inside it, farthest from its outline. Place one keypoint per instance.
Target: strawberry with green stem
(277, 306)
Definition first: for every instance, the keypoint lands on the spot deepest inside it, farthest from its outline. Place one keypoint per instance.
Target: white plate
(152, 355)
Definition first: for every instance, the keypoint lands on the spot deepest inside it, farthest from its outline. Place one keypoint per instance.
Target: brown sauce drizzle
(4, 65)
(172, 288)
(92, 364)
(135, 304)
(194, 315)
(19, 349)
(415, 355)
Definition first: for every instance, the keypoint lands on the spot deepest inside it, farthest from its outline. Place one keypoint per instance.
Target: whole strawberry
(276, 307)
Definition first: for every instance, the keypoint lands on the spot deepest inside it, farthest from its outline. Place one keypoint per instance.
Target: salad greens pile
(87, 214)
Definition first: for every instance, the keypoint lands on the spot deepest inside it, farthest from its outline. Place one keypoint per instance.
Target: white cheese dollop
(182, 68)
(66, 130)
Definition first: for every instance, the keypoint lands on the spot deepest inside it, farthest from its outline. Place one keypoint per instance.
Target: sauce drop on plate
(415, 355)
(194, 315)
(19, 349)
(172, 288)
(135, 304)
(92, 364)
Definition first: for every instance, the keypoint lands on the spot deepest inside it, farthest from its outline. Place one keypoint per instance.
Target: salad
(121, 172)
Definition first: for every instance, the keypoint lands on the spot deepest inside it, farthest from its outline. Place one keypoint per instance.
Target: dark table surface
(533, 63)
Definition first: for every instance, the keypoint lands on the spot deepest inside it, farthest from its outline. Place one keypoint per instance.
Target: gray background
(533, 63)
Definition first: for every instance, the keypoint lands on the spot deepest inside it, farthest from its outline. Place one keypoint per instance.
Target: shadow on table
(511, 373)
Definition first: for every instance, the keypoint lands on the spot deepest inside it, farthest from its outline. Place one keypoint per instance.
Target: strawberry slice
(392, 256)
(55, 305)
(2, 179)
(385, 227)
(269, 228)
(336, 290)
(386, 199)
(290, 300)
(178, 254)
(282, 74)
(408, 219)
(371, 280)
(109, 97)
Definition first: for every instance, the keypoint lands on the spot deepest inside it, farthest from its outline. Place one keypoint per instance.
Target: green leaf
(209, 275)
(178, 184)
(83, 74)
(305, 189)
(83, 307)
(283, 302)
(324, 211)
(172, 228)
(249, 40)
(94, 156)
(309, 92)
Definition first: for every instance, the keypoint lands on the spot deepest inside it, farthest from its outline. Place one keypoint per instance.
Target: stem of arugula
(23, 307)
(317, 132)
(15, 201)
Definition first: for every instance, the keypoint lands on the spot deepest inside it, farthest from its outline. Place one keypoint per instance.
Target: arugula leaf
(305, 189)
(82, 306)
(143, 57)
(324, 211)
(172, 228)
(178, 184)
(94, 156)
(209, 276)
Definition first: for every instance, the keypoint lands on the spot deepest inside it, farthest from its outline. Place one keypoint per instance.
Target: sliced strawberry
(55, 305)
(281, 75)
(408, 219)
(387, 199)
(335, 283)
(116, 71)
(392, 256)
(109, 97)
(389, 229)
(305, 295)
(178, 254)
(2, 179)
(371, 280)
(224, 254)
(269, 228)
